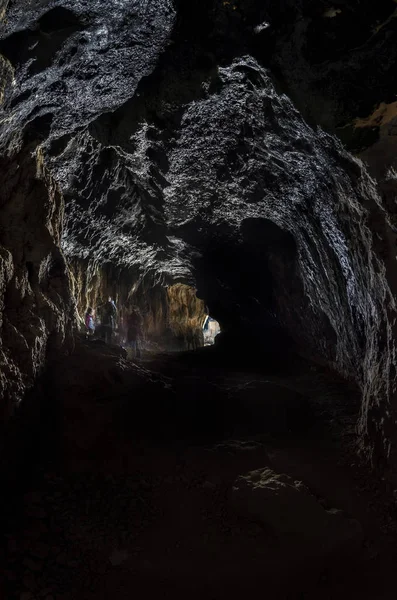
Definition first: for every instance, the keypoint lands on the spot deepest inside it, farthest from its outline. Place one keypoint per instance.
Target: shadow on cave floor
(132, 474)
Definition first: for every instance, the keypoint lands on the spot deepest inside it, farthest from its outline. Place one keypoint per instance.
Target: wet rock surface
(180, 161)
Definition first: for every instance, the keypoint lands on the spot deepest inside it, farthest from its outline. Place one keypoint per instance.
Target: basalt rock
(36, 305)
(182, 163)
(293, 515)
(273, 207)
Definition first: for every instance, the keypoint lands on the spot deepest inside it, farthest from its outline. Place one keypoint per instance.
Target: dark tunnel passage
(197, 300)
(261, 305)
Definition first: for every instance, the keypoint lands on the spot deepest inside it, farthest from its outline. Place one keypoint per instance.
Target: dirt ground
(131, 471)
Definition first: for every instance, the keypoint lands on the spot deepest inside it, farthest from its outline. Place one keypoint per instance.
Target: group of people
(105, 323)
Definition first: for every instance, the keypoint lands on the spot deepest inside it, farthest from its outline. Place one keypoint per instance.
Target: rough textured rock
(36, 305)
(292, 513)
(181, 162)
(172, 316)
(292, 215)
(186, 315)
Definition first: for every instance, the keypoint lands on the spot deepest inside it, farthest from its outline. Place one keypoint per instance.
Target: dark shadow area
(136, 463)
(59, 19)
(38, 47)
(259, 310)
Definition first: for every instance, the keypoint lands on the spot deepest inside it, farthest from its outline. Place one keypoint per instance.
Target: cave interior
(225, 173)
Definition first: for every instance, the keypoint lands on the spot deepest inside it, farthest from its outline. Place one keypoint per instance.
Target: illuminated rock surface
(169, 154)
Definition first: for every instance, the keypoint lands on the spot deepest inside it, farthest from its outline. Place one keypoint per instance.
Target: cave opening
(144, 319)
(187, 319)
(211, 329)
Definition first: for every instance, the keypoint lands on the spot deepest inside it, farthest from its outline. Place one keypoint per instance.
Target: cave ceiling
(112, 90)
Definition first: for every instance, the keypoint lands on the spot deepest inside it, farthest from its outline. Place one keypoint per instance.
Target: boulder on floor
(288, 509)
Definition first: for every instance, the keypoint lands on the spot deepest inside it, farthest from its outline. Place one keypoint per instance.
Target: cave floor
(129, 494)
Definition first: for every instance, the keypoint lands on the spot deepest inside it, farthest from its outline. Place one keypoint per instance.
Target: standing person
(89, 322)
(123, 328)
(134, 332)
(111, 301)
(108, 320)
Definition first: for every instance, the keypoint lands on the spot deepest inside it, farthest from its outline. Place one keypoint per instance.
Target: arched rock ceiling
(178, 155)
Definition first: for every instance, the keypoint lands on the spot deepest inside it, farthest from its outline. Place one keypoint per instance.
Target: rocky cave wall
(172, 315)
(37, 310)
(182, 162)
